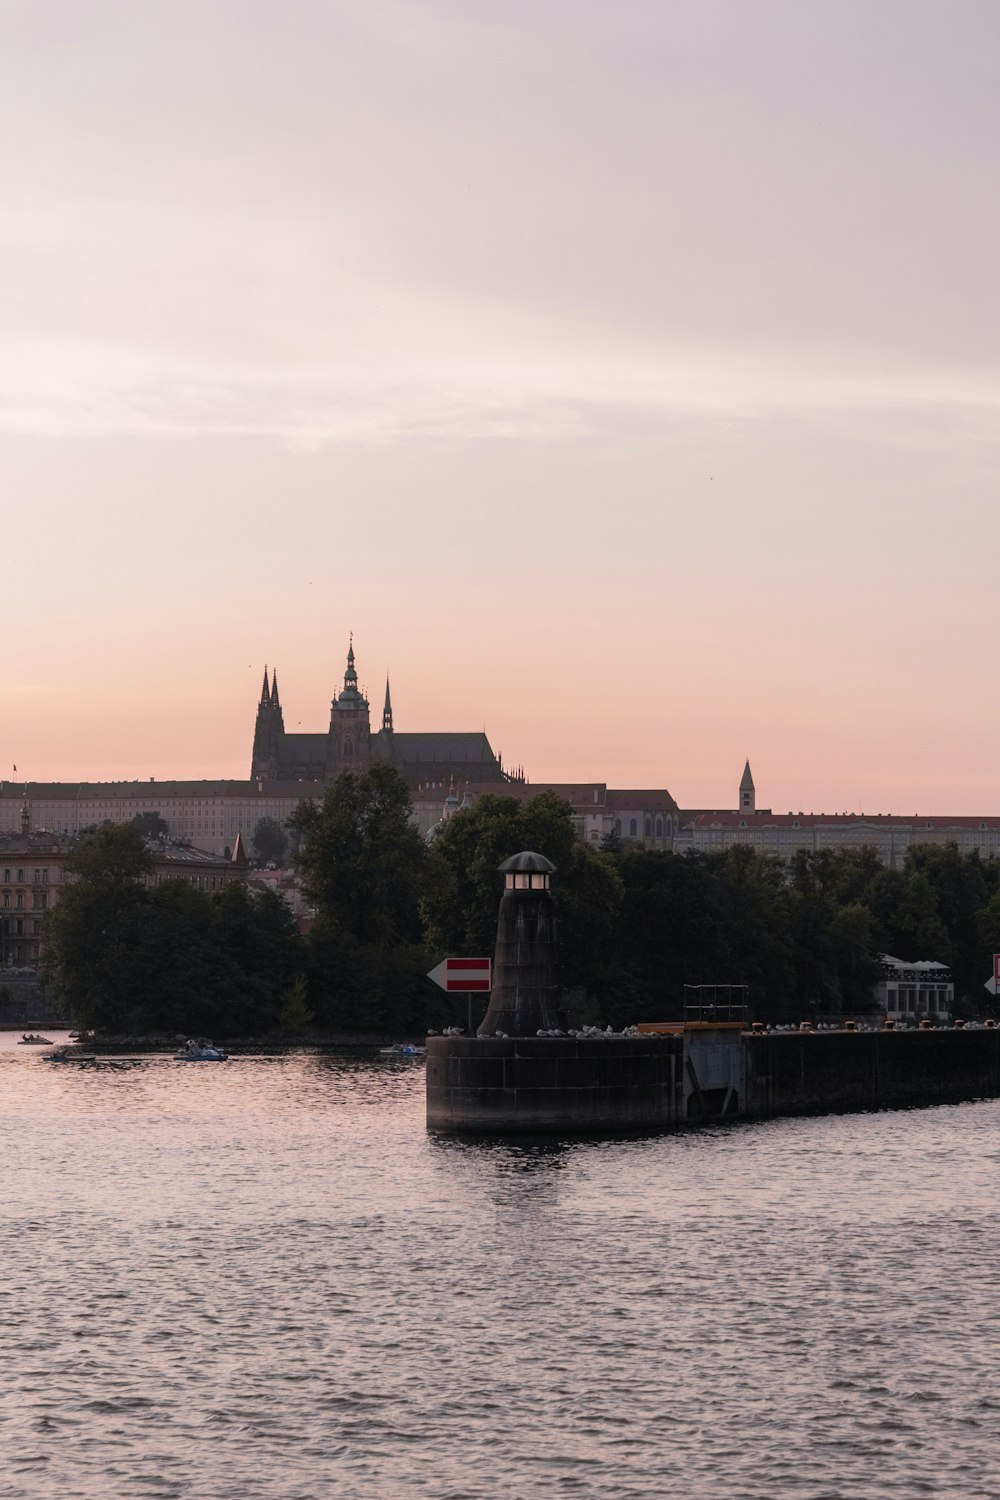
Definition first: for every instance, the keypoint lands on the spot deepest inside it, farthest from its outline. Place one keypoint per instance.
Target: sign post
(464, 975)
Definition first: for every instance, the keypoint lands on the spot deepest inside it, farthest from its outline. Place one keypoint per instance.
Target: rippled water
(263, 1279)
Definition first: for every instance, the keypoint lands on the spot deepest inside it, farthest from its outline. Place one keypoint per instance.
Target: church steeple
(265, 692)
(387, 710)
(748, 796)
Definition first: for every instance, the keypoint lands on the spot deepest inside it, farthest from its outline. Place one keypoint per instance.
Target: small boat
(402, 1049)
(70, 1054)
(201, 1052)
(32, 1040)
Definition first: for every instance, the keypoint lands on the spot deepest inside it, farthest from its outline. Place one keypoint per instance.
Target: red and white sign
(996, 968)
(463, 974)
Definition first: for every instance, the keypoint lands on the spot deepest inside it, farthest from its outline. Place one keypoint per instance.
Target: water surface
(263, 1279)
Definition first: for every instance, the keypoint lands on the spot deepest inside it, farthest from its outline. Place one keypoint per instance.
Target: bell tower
(350, 727)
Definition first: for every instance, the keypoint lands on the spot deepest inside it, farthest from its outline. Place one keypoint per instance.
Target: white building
(911, 991)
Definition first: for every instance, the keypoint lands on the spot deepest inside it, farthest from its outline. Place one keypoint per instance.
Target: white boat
(35, 1041)
(402, 1049)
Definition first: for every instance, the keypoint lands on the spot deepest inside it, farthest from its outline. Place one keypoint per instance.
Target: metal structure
(717, 1002)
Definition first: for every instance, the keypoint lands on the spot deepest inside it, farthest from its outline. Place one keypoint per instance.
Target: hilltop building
(350, 744)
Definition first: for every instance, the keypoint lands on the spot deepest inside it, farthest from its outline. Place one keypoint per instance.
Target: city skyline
(624, 377)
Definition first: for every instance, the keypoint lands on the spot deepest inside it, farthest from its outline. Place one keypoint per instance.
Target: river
(263, 1279)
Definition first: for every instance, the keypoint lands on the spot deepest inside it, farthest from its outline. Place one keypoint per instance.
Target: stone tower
(525, 996)
(269, 731)
(350, 727)
(748, 797)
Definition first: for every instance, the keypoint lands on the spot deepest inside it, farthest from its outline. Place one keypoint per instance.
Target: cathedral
(350, 744)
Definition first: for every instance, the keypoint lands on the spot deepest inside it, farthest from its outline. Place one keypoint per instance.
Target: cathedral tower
(269, 731)
(350, 726)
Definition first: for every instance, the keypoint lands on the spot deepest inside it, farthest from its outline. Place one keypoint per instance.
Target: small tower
(525, 997)
(387, 710)
(748, 797)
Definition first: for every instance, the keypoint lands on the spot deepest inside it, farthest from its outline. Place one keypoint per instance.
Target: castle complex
(349, 744)
(445, 770)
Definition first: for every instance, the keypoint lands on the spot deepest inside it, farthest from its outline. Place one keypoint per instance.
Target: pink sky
(625, 376)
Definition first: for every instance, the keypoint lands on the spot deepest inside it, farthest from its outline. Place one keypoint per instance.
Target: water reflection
(264, 1278)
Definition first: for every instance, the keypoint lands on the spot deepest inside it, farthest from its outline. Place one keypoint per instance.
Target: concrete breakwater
(538, 1085)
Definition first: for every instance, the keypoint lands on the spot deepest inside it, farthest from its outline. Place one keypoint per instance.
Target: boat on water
(402, 1049)
(30, 1039)
(194, 1051)
(70, 1055)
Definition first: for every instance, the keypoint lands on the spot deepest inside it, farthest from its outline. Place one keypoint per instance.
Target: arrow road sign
(992, 986)
(463, 974)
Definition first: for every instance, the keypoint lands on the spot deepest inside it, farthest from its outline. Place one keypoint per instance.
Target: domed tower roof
(527, 861)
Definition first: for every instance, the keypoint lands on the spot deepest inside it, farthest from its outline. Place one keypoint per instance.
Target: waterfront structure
(913, 991)
(33, 872)
(525, 994)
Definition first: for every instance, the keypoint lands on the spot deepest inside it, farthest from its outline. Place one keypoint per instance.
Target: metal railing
(717, 1002)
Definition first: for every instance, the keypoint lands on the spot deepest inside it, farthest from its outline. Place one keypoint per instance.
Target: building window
(20, 900)
(20, 877)
(633, 829)
(648, 828)
(40, 901)
(659, 828)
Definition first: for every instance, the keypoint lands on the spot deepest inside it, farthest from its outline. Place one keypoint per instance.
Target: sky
(625, 374)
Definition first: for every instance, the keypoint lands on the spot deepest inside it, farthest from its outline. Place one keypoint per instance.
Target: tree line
(635, 925)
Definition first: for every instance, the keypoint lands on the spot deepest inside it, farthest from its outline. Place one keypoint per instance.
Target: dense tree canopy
(132, 957)
(635, 925)
(270, 841)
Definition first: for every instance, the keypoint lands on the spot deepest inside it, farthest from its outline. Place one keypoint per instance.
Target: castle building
(350, 744)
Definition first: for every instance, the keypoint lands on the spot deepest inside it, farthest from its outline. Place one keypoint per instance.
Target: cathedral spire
(387, 710)
(265, 696)
(274, 690)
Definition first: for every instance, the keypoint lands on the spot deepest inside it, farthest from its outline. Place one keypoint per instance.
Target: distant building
(349, 744)
(913, 991)
(32, 874)
(785, 834)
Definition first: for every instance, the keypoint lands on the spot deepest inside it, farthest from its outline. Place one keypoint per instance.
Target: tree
(152, 825)
(270, 841)
(132, 958)
(112, 856)
(463, 886)
(362, 858)
(294, 1017)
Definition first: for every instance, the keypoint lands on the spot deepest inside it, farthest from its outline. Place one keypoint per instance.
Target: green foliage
(362, 859)
(152, 825)
(127, 957)
(295, 1017)
(463, 886)
(112, 857)
(270, 841)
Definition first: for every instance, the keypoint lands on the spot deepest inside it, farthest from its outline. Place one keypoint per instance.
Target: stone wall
(801, 1073)
(544, 1084)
